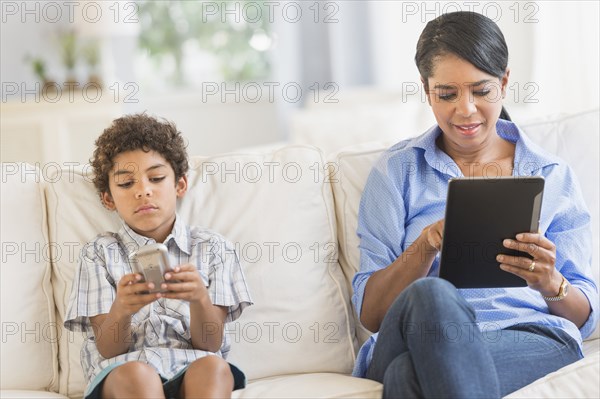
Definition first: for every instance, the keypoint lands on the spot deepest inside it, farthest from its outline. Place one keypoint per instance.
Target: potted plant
(38, 65)
(68, 44)
(91, 56)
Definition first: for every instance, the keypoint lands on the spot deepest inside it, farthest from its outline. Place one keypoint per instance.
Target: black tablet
(480, 214)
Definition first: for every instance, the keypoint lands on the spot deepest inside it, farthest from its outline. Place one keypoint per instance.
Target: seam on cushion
(333, 232)
(51, 300)
(197, 160)
(63, 385)
(560, 117)
(340, 157)
(360, 330)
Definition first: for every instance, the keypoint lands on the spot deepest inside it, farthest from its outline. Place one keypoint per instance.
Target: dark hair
(468, 35)
(137, 132)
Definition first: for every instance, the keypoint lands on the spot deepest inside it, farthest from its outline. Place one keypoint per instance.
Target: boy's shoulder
(199, 234)
(104, 239)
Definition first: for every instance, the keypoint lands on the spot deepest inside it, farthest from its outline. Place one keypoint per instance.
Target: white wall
(553, 49)
(553, 58)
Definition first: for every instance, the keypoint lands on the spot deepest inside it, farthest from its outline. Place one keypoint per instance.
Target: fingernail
(499, 258)
(507, 242)
(519, 236)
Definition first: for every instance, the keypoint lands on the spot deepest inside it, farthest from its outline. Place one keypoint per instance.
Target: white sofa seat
(313, 385)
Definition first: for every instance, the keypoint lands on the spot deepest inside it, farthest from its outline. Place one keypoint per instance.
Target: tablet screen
(480, 214)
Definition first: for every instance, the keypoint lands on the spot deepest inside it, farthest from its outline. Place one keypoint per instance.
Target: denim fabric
(430, 346)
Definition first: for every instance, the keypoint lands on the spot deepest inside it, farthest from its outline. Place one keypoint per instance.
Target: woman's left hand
(539, 272)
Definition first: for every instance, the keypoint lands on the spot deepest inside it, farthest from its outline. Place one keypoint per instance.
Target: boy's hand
(132, 294)
(184, 282)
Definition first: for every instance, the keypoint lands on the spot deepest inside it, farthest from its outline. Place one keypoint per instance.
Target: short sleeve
(226, 281)
(93, 290)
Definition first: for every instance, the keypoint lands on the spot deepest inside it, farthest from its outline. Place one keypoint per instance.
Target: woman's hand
(539, 272)
(434, 234)
(185, 283)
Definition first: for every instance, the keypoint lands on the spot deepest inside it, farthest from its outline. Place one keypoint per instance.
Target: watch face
(565, 289)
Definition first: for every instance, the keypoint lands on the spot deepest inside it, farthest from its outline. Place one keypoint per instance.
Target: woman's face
(466, 102)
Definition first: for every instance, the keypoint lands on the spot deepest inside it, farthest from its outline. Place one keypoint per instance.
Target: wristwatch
(562, 292)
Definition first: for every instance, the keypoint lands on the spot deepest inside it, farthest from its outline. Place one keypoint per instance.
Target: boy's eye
(125, 185)
(157, 179)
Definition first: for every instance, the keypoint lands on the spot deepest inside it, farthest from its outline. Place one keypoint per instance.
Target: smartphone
(152, 262)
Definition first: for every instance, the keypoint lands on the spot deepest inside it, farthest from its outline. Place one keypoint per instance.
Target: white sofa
(292, 214)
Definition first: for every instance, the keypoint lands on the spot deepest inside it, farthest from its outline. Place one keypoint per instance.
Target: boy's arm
(112, 330)
(206, 320)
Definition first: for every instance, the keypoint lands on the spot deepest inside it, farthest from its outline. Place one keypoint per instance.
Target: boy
(153, 345)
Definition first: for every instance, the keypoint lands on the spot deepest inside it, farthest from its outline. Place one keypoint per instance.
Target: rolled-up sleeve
(570, 231)
(381, 218)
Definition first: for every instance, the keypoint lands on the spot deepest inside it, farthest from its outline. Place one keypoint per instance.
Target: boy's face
(144, 192)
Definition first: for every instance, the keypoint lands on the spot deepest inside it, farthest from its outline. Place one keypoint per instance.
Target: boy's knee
(210, 364)
(132, 379)
(214, 367)
(134, 371)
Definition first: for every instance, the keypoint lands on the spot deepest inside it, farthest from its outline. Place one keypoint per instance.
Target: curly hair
(137, 132)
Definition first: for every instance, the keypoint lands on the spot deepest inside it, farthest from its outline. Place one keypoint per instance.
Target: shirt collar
(530, 158)
(179, 235)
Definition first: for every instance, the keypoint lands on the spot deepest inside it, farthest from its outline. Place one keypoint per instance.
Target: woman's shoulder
(409, 151)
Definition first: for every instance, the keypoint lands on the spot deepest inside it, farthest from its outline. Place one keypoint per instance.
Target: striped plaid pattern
(160, 331)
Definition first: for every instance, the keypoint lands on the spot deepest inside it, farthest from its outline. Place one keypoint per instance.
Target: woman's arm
(384, 286)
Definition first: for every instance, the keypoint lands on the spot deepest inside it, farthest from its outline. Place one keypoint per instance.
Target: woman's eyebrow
(451, 87)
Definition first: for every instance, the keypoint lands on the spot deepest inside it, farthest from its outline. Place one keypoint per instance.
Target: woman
(434, 340)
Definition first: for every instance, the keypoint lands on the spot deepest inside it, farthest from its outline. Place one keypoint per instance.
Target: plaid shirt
(160, 333)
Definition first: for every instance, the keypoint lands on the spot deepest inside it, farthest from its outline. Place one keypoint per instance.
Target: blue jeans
(430, 346)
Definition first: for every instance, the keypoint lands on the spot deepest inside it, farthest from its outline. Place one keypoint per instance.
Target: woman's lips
(468, 129)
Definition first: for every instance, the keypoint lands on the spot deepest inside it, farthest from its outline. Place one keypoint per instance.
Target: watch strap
(561, 295)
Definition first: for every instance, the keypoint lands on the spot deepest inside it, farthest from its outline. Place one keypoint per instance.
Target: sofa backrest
(573, 137)
(29, 336)
(277, 209)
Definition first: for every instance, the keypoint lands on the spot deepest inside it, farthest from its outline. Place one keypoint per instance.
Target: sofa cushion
(22, 394)
(577, 380)
(314, 385)
(29, 335)
(574, 138)
(277, 209)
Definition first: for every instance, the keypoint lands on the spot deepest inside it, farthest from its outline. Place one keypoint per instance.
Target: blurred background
(239, 74)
